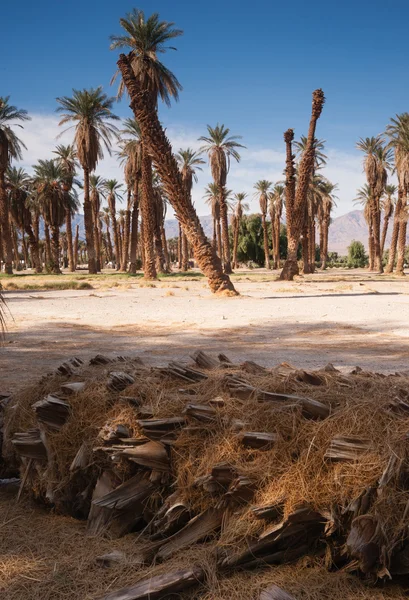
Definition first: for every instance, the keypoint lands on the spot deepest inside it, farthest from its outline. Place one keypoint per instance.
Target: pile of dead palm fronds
(269, 464)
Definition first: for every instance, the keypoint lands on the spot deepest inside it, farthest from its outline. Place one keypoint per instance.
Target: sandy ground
(347, 318)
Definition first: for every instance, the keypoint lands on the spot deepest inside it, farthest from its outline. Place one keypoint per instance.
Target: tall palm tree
(113, 190)
(106, 215)
(10, 149)
(364, 197)
(276, 198)
(18, 184)
(398, 133)
(326, 191)
(262, 188)
(146, 38)
(377, 161)
(49, 183)
(297, 195)
(189, 162)
(67, 160)
(97, 191)
(159, 148)
(239, 206)
(212, 196)
(131, 154)
(221, 148)
(91, 112)
(387, 205)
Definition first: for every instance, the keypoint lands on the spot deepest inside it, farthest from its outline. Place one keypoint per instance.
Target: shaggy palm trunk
(214, 240)
(114, 225)
(25, 250)
(395, 233)
(376, 229)
(7, 242)
(153, 136)
(225, 233)
(34, 248)
(55, 247)
(305, 242)
(36, 226)
(109, 243)
(89, 227)
(68, 229)
(134, 228)
(76, 240)
(277, 225)
(148, 217)
(180, 247)
(324, 248)
(235, 243)
(159, 252)
(97, 240)
(48, 252)
(311, 239)
(384, 232)
(15, 246)
(297, 198)
(265, 239)
(168, 265)
(402, 235)
(185, 253)
(127, 233)
(219, 240)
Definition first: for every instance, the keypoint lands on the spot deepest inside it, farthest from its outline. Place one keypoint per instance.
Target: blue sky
(252, 68)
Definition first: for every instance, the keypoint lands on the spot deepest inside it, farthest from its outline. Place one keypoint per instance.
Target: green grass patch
(49, 285)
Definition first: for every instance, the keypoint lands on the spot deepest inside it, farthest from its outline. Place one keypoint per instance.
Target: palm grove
(35, 207)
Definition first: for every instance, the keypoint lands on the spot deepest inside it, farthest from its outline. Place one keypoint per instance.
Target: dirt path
(356, 321)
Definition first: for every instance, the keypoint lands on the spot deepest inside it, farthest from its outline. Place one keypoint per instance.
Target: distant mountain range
(343, 230)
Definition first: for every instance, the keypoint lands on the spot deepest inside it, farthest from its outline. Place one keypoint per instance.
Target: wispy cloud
(40, 136)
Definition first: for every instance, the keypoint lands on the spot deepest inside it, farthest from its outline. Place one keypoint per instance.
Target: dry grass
(295, 469)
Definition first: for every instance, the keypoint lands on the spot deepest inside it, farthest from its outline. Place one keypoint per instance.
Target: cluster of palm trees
(153, 174)
(384, 154)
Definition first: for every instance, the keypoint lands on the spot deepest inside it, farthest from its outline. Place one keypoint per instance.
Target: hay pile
(245, 467)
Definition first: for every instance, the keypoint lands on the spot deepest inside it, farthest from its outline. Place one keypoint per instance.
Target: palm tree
(10, 148)
(18, 184)
(221, 148)
(131, 153)
(364, 197)
(238, 207)
(146, 38)
(106, 217)
(276, 209)
(159, 148)
(262, 188)
(320, 159)
(376, 164)
(67, 159)
(398, 133)
(327, 202)
(387, 205)
(189, 162)
(212, 196)
(113, 188)
(90, 110)
(97, 191)
(297, 196)
(49, 184)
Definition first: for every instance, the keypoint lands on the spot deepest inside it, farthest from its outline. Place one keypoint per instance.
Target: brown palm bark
(34, 248)
(68, 229)
(134, 227)
(7, 242)
(324, 237)
(225, 233)
(265, 240)
(153, 136)
(127, 234)
(89, 227)
(305, 244)
(15, 245)
(180, 258)
(76, 240)
(235, 224)
(387, 215)
(298, 196)
(25, 250)
(376, 230)
(395, 234)
(168, 263)
(55, 248)
(148, 216)
(277, 227)
(311, 240)
(185, 253)
(48, 252)
(402, 234)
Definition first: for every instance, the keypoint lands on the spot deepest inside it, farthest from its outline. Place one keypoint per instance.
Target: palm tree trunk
(68, 229)
(148, 216)
(291, 265)
(395, 233)
(371, 247)
(168, 264)
(311, 239)
(36, 226)
(219, 240)
(34, 248)
(144, 108)
(76, 240)
(225, 233)
(48, 252)
(277, 226)
(134, 226)
(25, 250)
(235, 243)
(127, 233)
(15, 245)
(214, 241)
(185, 253)
(376, 225)
(55, 244)
(402, 235)
(305, 243)
(5, 227)
(265, 238)
(384, 233)
(180, 258)
(89, 227)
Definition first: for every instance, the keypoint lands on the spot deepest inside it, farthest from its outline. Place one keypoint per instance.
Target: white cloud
(40, 136)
